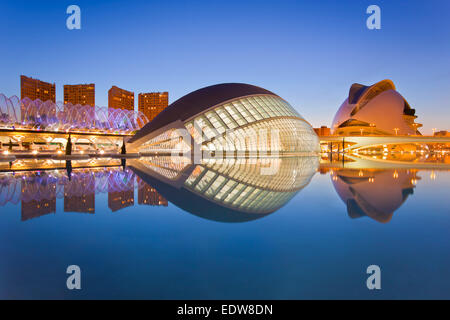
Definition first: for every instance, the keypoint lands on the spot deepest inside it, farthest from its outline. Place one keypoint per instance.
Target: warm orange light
(433, 175)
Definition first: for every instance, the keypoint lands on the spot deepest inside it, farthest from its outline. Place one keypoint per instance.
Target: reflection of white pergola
(27, 186)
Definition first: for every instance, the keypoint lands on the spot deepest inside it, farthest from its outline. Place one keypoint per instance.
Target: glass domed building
(231, 118)
(376, 110)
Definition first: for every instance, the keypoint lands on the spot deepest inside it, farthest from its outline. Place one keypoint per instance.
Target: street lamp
(396, 131)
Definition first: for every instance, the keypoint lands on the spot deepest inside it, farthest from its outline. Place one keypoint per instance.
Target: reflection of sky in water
(309, 248)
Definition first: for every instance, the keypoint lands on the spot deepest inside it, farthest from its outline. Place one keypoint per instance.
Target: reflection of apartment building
(36, 89)
(120, 199)
(36, 208)
(84, 203)
(148, 195)
(79, 203)
(83, 94)
(152, 103)
(120, 99)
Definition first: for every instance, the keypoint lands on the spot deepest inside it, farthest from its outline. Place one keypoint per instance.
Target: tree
(69, 169)
(69, 147)
(124, 148)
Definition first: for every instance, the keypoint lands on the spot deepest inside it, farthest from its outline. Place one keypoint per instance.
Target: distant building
(36, 89)
(83, 94)
(120, 99)
(148, 195)
(442, 133)
(322, 131)
(152, 103)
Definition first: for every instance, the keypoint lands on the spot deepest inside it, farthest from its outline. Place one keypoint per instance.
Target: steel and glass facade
(254, 123)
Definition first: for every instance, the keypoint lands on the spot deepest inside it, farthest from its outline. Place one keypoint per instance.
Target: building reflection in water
(227, 190)
(120, 199)
(79, 193)
(38, 196)
(374, 193)
(148, 195)
(37, 191)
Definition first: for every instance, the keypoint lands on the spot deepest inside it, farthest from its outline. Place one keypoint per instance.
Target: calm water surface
(224, 230)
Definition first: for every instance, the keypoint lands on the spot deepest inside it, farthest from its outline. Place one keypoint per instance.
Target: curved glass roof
(198, 101)
(243, 124)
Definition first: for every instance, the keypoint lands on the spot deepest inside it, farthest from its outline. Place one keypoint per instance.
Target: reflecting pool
(272, 228)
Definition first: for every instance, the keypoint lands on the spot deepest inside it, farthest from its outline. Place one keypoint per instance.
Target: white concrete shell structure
(373, 193)
(378, 109)
(230, 118)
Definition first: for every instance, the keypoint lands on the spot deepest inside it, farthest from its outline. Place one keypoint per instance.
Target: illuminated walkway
(364, 162)
(359, 142)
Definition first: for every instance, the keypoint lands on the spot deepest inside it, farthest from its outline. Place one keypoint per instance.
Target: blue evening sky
(308, 52)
